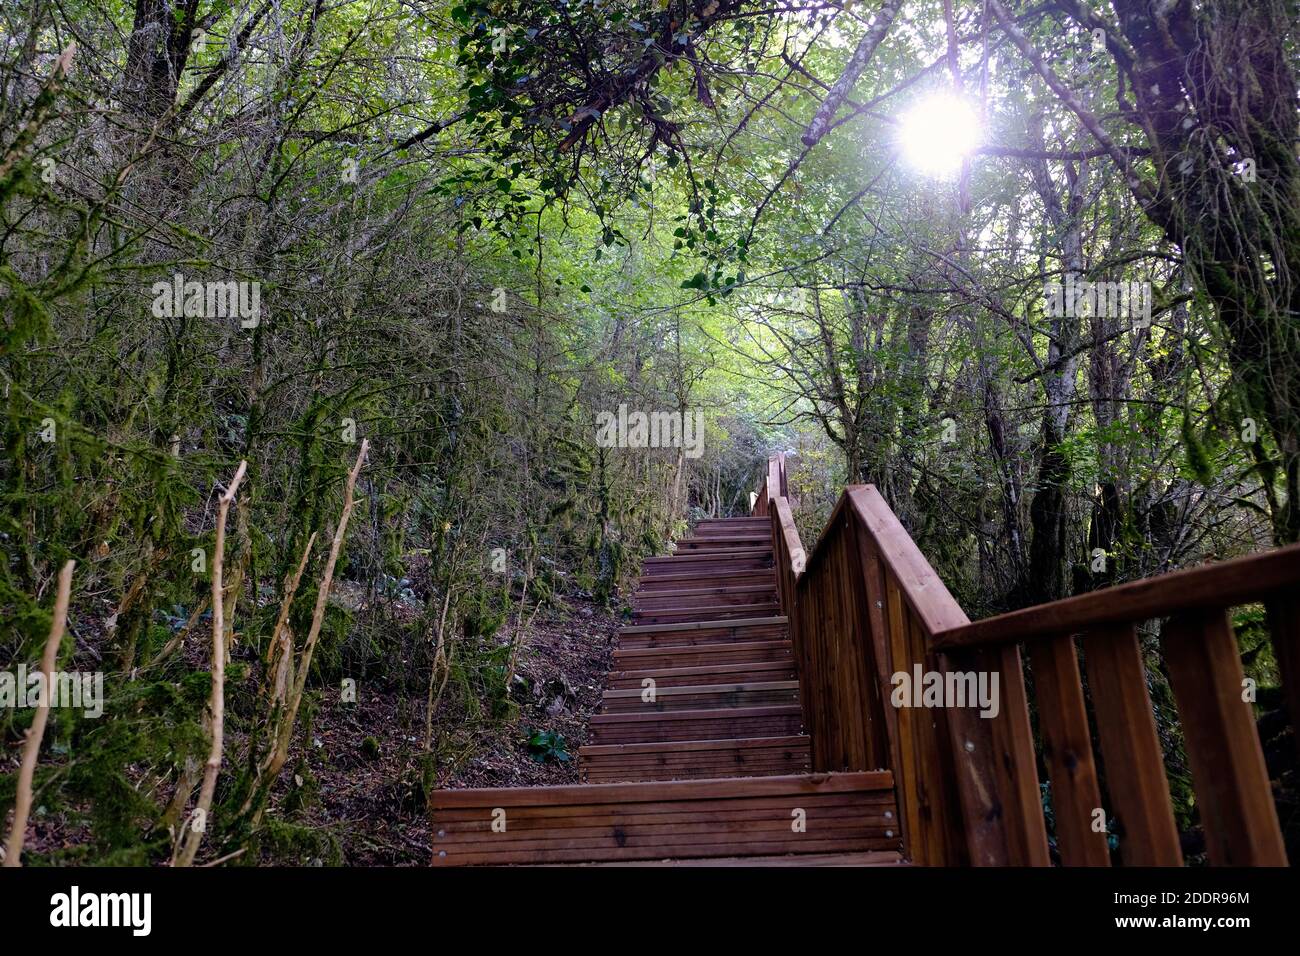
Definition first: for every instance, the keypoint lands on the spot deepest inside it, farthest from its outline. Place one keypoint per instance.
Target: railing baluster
(1284, 626)
(1232, 787)
(940, 803)
(1126, 729)
(878, 634)
(994, 758)
(1067, 749)
(907, 774)
(1026, 832)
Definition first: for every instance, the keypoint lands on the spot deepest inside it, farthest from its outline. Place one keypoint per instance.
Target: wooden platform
(698, 755)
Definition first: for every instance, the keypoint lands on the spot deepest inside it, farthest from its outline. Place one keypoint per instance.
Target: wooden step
(703, 597)
(736, 630)
(699, 697)
(683, 819)
(729, 523)
(696, 579)
(684, 760)
(701, 655)
(718, 612)
(729, 542)
(707, 543)
(708, 674)
(768, 620)
(740, 559)
(702, 566)
(868, 858)
(780, 720)
(693, 558)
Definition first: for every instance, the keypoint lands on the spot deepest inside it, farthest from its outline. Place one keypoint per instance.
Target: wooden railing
(865, 606)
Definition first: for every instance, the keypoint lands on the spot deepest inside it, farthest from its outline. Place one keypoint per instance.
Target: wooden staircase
(729, 710)
(698, 754)
(752, 661)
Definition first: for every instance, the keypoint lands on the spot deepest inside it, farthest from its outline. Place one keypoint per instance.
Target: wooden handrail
(1207, 587)
(864, 606)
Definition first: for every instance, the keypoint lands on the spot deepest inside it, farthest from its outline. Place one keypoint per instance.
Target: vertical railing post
(1235, 797)
(1284, 628)
(1130, 748)
(1067, 750)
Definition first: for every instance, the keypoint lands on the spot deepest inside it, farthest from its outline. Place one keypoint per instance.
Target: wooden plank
(1067, 750)
(766, 721)
(696, 746)
(620, 773)
(692, 690)
(1232, 785)
(866, 858)
(633, 841)
(652, 792)
(704, 559)
(720, 612)
(527, 821)
(714, 819)
(662, 841)
(638, 853)
(717, 636)
(736, 559)
(701, 655)
(708, 696)
(773, 754)
(739, 764)
(756, 671)
(762, 756)
(686, 836)
(873, 581)
(673, 582)
(915, 826)
(625, 833)
(1208, 587)
(1014, 738)
(731, 625)
(1130, 748)
(722, 763)
(682, 807)
(736, 594)
(724, 542)
(729, 524)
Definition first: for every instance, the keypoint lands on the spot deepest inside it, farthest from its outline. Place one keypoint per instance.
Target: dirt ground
(353, 791)
(364, 759)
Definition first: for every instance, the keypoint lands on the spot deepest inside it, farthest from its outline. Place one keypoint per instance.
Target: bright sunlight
(938, 133)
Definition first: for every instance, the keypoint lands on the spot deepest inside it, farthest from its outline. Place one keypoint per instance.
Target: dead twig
(32, 745)
(193, 835)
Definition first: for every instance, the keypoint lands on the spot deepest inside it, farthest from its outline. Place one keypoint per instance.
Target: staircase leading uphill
(698, 755)
(703, 682)
(751, 660)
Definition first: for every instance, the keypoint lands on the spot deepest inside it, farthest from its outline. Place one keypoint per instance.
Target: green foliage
(547, 746)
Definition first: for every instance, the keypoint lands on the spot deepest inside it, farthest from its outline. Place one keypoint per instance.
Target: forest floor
(354, 790)
(363, 769)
